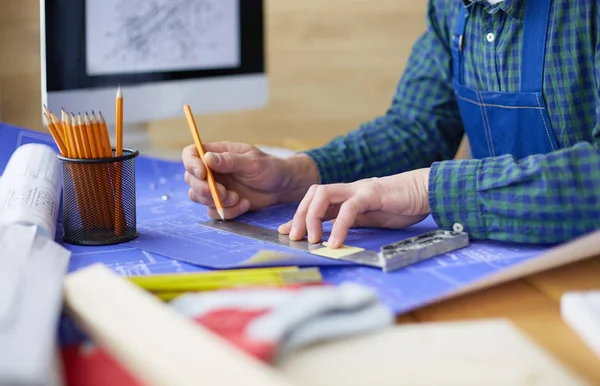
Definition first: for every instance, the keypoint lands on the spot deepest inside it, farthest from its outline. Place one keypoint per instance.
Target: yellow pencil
(212, 185)
(119, 123)
(54, 131)
(120, 211)
(307, 276)
(186, 277)
(212, 283)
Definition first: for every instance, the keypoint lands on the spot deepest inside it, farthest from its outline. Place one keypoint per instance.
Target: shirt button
(490, 37)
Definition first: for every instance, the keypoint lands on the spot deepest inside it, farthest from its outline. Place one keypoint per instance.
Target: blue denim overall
(514, 123)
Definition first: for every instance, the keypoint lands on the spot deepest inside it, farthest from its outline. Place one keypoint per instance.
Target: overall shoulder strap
(535, 28)
(457, 44)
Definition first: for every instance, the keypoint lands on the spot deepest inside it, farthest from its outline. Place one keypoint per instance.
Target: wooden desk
(532, 303)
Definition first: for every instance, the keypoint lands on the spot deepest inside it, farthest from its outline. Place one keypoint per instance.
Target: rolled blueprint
(30, 189)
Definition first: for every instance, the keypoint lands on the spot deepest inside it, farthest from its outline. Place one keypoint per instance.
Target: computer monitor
(209, 54)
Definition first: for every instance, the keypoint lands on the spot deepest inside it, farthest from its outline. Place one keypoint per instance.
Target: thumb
(226, 162)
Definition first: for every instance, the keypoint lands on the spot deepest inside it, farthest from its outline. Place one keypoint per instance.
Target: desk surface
(532, 303)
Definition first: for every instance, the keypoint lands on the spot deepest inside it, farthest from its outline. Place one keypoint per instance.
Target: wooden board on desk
(487, 352)
(532, 304)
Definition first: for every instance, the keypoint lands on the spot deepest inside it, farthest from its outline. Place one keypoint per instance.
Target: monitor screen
(163, 53)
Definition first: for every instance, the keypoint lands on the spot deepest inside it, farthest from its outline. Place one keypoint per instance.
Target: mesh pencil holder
(99, 199)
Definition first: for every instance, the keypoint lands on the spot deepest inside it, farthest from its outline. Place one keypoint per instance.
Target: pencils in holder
(98, 183)
(75, 137)
(200, 148)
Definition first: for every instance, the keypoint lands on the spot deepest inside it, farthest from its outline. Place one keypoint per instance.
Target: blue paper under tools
(171, 240)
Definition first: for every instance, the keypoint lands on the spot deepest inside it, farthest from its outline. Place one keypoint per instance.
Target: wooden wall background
(332, 65)
(20, 97)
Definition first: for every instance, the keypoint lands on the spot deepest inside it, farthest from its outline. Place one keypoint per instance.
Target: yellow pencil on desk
(211, 281)
(160, 281)
(171, 277)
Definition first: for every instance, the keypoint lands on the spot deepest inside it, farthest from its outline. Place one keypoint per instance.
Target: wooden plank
(466, 353)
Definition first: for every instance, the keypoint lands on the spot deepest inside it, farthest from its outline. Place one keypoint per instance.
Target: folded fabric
(271, 322)
(32, 269)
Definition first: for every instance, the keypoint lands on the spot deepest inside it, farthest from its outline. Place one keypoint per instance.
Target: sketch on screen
(131, 36)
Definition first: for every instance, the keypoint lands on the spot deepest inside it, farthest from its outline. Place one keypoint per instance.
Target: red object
(93, 366)
(231, 325)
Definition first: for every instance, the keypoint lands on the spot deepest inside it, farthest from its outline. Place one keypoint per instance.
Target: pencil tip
(221, 213)
(119, 92)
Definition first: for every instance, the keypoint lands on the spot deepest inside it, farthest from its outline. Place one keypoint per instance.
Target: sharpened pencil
(119, 123)
(120, 215)
(200, 148)
(167, 287)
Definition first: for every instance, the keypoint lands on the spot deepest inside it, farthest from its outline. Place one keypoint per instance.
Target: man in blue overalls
(520, 77)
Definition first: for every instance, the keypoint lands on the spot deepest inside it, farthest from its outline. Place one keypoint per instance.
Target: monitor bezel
(64, 65)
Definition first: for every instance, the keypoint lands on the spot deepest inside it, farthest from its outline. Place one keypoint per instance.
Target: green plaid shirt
(542, 198)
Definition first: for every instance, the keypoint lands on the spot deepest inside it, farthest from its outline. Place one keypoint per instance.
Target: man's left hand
(396, 201)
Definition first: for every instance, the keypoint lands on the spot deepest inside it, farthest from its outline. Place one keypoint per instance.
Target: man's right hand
(247, 178)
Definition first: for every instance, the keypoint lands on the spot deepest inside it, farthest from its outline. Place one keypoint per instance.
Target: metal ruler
(390, 256)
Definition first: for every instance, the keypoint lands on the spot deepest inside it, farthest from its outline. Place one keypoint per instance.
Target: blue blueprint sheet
(171, 240)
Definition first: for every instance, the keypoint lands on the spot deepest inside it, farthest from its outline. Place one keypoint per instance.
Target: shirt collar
(513, 8)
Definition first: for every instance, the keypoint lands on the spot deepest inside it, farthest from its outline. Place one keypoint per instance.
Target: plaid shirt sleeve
(422, 125)
(539, 199)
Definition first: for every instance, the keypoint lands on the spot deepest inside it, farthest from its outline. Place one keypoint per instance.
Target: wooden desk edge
(533, 308)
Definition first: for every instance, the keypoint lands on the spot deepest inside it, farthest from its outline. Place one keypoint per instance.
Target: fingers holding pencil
(233, 201)
(232, 204)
